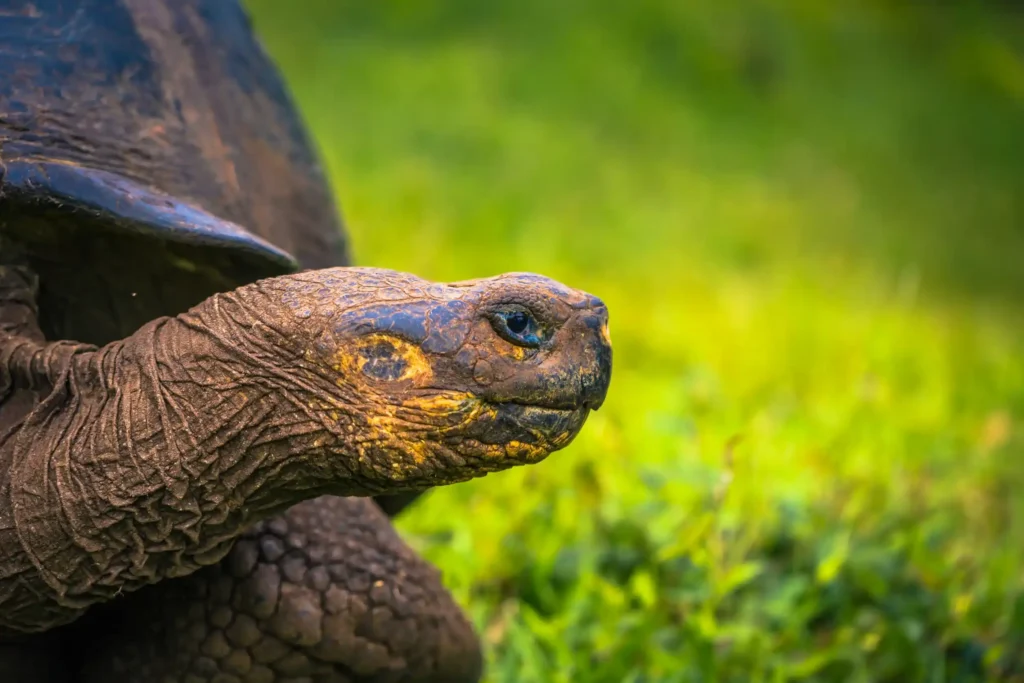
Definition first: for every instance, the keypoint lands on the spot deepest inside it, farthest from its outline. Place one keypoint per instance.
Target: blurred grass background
(807, 219)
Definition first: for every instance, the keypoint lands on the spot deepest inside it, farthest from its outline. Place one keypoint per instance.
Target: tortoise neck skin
(144, 459)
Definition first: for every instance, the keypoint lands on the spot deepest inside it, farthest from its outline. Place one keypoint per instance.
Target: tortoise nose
(599, 354)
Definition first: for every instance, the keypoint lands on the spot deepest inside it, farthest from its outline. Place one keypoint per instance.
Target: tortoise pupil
(518, 322)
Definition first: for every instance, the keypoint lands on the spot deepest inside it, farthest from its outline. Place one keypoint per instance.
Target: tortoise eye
(518, 327)
(518, 322)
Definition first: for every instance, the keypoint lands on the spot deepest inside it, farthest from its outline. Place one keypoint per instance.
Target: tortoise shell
(150, 155)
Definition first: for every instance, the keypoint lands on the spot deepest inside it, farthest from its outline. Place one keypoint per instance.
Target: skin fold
(144, 461)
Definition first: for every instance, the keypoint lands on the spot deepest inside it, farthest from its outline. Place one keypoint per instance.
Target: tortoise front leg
(326, 592)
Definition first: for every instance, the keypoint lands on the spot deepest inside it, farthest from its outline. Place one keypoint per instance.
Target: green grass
(807, 220)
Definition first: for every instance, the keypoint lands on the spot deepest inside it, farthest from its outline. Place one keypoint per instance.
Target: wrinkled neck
(144, 461)
(212, 436)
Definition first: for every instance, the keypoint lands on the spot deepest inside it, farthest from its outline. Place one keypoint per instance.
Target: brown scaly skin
(300, 597)
(145, 459)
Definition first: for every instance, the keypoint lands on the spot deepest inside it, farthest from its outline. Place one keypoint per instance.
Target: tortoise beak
(597, 355)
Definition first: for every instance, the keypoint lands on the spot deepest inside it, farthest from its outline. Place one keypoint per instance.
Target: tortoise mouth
(536, 430)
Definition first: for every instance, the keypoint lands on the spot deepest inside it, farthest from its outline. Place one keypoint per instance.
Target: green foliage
(806, 219)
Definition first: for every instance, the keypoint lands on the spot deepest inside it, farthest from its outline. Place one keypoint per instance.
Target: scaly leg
(325, 593)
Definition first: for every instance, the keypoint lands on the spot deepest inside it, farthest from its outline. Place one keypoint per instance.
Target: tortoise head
(430, 383)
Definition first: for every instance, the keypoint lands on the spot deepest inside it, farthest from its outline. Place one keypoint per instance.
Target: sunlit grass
(806, 223)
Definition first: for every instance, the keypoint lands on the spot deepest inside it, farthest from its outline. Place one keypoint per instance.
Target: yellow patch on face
(383, 358)
(439, 404)
(419, 451)
(519, 451)
(400, 423)
(519, 352)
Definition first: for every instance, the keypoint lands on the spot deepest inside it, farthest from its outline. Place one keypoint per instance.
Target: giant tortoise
(200, 399)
